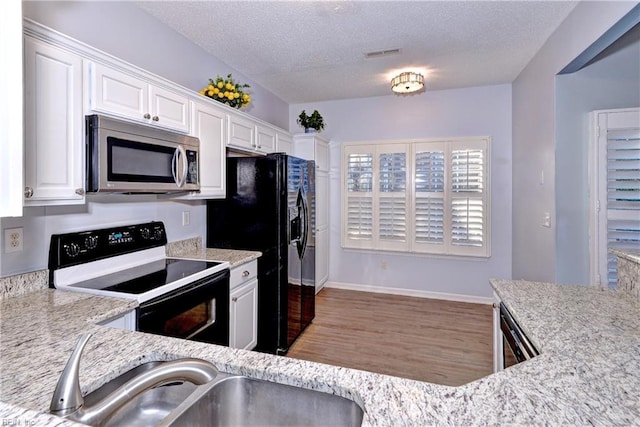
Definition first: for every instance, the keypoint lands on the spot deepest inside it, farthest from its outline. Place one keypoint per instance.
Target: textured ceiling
(306, 51)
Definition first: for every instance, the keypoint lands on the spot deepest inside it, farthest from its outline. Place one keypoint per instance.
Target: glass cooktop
(143, 278)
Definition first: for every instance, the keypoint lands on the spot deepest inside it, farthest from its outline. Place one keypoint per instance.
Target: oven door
(199, 311)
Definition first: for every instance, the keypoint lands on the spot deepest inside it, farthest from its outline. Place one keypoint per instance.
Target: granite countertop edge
(629, 254)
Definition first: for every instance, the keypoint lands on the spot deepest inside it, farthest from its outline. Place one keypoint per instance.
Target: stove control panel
(86, 246)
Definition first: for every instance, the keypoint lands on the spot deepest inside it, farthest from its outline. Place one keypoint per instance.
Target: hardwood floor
(443, 342)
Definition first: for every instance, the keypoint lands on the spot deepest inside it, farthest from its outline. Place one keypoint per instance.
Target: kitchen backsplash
(23, 283)
(184, 247)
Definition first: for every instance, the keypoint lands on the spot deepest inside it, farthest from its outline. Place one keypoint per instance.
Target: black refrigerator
(269, 207)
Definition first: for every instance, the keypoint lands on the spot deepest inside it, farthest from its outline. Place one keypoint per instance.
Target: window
(420, 196)
(614, 190)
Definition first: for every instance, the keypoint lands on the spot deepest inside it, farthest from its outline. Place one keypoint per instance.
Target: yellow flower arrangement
(227, 91)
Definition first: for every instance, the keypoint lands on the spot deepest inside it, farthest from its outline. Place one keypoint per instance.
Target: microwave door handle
(178, 154)
(185, 165)
(174, 165)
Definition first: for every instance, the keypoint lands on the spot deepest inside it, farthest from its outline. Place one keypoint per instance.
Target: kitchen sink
(228, 400)
(146, 409)
(243, 401)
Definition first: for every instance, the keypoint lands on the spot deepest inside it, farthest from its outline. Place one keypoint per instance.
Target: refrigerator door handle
(294, 225)
(304, 224)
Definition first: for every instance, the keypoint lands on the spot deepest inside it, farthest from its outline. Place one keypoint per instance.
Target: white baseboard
(411, 292)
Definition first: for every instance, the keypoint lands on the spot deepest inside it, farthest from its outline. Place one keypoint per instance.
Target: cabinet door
(169, 109)
(115, 92)
(243, 310)
(54, 148)
(209, 125)
(265, 139)
(322, 155)
(322, 199)
(11, 93)
(284, 143)
(322, 257)
(241, 133)
(312, 147)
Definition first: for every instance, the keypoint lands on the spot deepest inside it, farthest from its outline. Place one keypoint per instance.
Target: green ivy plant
(313, 121)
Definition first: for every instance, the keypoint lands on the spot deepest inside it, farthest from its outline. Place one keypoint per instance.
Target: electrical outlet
(546, 220)
(383, 265)
(186, 217)
(13, 239)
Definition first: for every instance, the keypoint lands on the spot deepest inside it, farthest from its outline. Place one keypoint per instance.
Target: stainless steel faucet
(67, 398)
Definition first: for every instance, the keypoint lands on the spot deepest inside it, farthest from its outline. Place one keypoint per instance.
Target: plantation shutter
(358, 202)
(623, 195)
(392, 197)
(420, 196)
(429, 199)
(467, 200)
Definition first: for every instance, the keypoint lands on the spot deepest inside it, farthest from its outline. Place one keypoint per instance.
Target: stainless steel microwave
(124, 157)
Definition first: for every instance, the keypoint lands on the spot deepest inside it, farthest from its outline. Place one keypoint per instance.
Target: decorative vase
(309, 130)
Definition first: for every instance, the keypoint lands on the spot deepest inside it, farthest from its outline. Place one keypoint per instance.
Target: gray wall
(534, 139)
(611, 82)
(477, 111)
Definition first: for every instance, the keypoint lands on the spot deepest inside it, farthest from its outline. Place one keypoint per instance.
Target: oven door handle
(192, 287)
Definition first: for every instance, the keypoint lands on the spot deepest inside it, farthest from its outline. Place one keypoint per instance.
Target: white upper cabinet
(115, 92)
(246, 134)
(242, 133)
(64, 80)
(312, 147)
(284, 143)
(11, 117)
(209, 125)
(54, 139)
(265, 139)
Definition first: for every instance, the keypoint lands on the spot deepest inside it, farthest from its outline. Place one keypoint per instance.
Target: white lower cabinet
(126, 321)
(243, 306)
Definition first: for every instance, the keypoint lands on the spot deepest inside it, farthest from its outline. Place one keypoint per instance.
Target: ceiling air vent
(381, 53)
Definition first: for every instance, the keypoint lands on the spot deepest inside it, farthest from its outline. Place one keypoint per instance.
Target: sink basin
(146, 409)
(228, 400)
(243, 401)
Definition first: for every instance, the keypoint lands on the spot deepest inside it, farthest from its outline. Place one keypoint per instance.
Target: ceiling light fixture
(407, 82)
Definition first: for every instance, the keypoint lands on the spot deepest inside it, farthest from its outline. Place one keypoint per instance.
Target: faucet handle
(67, 397)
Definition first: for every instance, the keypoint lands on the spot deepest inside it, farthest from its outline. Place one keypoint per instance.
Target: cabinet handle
(245, 273)
(147, 116)
(155, 118)
(234, 299)
(80, 191)
(28, 192)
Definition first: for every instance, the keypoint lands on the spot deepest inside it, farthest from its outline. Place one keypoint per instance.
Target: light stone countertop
(192, 248)
(587, 372)
(629, 254)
